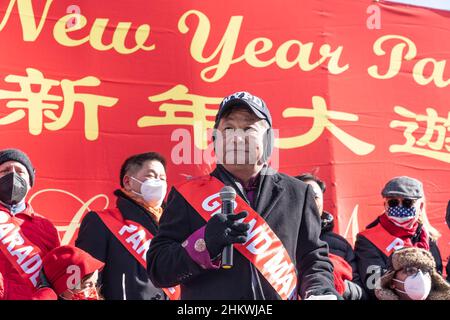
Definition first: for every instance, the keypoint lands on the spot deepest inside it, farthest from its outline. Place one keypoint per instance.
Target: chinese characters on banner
(81, 90)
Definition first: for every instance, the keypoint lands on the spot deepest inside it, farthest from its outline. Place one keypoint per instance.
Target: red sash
(263, 248)
(20, 251)
(135, 238)
(383, 240)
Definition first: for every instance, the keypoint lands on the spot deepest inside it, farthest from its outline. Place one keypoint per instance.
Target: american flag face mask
(402, 216)
(402, 212)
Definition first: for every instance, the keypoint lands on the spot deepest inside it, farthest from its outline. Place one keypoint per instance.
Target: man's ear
(126, 182)
(29, 186)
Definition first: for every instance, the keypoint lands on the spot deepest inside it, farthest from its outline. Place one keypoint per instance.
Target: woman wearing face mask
(402, 224)
(346, 276)
(69, 273)
(412, 275)
(120, 236)
(26, 236)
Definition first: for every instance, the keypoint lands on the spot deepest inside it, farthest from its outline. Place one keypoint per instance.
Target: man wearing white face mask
(412, 275)
(120, 237)
(402, 224)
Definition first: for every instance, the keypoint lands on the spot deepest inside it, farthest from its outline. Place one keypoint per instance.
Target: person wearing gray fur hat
(412, 275)
(402, 224)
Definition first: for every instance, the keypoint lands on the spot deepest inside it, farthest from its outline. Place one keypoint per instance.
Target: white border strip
(434, 4)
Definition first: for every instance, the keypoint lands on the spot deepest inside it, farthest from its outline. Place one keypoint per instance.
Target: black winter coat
(367, 254)
(95, 238)
(285, 203)
(339, 246)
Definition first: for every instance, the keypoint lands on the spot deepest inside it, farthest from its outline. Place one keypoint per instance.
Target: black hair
(136, 161)
(310, 177)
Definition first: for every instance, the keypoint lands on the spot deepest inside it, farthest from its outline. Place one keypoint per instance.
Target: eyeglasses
(407, 203)
(410, 271)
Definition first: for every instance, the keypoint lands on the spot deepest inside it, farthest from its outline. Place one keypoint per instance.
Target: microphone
(227, 195)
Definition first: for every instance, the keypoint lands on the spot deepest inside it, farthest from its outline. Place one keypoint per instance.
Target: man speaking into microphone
(264, 244)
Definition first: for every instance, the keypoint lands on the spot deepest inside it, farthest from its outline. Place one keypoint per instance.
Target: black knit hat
(17, 155)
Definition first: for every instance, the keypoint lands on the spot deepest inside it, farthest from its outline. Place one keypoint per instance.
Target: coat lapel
(269, 194)
(228, 180)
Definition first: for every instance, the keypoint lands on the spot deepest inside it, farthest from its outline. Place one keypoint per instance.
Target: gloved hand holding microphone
(223, 230)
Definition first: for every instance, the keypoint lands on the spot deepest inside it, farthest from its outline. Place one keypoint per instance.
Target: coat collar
(28, 212)
(268, 192)
(130, 209)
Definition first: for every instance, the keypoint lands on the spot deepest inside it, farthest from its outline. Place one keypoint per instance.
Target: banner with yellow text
(359, 93)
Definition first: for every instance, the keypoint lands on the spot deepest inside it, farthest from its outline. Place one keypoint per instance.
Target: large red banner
(358, 91)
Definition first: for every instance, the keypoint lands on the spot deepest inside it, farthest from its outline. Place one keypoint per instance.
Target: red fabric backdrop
(358, 92)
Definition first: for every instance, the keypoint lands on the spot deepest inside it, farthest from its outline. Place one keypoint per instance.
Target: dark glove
(43, 281)
(222, 230)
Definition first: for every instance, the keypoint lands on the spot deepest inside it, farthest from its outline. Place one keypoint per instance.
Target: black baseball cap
(243, 98)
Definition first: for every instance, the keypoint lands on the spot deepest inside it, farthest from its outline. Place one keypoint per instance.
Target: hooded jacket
(42, 233)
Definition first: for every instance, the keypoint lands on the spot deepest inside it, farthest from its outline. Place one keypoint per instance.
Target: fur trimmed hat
(412, 257)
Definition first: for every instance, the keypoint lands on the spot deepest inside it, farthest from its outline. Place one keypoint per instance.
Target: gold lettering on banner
(195, 113)
(185, 102)
(61, 34)
(61, 30)
(225, 55)
(322, 117)
(70, 229)
(405, 50)
(434, 143)
(27, 18)
(40, 105)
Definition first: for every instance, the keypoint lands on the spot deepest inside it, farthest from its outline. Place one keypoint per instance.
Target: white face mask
(417, 286)
(153, 191)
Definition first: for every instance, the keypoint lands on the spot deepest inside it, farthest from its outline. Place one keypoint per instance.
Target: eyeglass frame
(411, 270)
